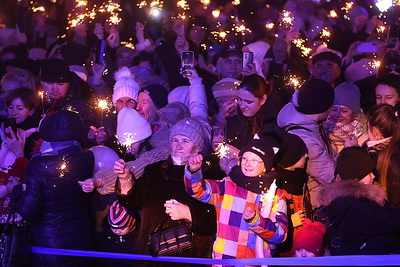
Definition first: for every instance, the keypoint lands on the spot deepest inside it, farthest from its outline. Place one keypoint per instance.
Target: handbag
(15, 245)
(170, 241)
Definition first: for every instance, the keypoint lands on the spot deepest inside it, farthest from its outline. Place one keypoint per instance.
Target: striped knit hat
(119, 217)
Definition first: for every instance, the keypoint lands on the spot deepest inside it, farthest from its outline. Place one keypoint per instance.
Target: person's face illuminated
(248, 103)
(385, 94)
(302, 252)
(182, 146)
(55, 91)
(340, 113)
(125, 102)
(231, 67)
(368, 179)
(17, 110)
(252, 165)
(146, 107)
(326, 70)
(120, 231)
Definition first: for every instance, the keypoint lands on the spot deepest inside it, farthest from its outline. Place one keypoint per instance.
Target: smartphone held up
(247, 59)
(187, 61)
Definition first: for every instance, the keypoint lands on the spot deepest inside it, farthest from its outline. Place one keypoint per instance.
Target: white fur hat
(132, 127)
(125, 85)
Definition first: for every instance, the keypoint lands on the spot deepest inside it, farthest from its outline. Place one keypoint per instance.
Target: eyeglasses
(252, 162)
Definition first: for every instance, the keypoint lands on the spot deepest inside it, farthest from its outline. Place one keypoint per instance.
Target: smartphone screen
(100, 49)
(366, 47)
(247, 59)
(11, 122)
(187, 59)
(392, 35)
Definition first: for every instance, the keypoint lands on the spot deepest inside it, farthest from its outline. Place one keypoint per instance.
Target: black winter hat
(315, 96)
(62, 125)
(327, 55)
(55, 71)
(294, 148)
(354, 163)
(263, 149)
(74, 54)
(25, 64)
(157, 93)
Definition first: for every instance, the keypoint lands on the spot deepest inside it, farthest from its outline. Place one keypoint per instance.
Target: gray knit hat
(174, 112)
(348, 95)
(190, 128)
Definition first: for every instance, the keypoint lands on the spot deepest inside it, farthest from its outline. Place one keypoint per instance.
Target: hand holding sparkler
(195, 162)
(351, 141)
(181, 44)
(121, 169)
(100, 135)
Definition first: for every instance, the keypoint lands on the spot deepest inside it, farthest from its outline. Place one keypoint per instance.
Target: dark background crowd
(119, 115)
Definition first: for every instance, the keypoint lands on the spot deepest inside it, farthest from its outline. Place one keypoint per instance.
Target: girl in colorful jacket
(251, 211)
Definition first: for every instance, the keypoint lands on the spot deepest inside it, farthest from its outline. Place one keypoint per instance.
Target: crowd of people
(107, 132)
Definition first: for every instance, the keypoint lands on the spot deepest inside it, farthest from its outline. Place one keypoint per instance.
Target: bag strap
(158, 231)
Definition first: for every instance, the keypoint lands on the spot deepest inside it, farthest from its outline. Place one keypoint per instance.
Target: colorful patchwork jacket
(236, 237)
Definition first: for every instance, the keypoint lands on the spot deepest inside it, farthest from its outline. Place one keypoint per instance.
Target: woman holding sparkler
(160, 191)
(346, 124)
(53, 200)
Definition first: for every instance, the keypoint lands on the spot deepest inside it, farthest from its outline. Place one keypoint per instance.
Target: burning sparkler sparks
(221, 150)
(63, 167)
(270, 26)
(286, 19)
(333, 14)
(305, 51)
(236, 2)
(293, 81)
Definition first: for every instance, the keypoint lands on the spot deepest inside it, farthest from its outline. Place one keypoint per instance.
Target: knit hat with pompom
(125, 85)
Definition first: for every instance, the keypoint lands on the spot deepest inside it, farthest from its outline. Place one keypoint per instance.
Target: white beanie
(132, 127)
(226, 87)
(125, 85)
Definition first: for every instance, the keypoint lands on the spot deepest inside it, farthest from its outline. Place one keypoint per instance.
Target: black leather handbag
(170, 241)
(15, 245)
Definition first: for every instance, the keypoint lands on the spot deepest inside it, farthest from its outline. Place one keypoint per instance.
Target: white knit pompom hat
(132, 127)
(125, 85)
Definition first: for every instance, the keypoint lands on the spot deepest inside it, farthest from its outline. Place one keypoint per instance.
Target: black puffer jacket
(359, 224)
(53, 201)
(160, 182)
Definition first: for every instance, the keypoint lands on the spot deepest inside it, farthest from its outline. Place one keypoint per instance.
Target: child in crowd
(309, 241)
(251, 211)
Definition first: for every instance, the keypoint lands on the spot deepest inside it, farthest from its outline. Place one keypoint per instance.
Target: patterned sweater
(236, 237)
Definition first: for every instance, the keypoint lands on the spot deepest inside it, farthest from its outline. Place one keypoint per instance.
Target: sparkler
(41, 96)
(287, 19)
(236, 2)
(103, 104)
(215, 13)
(333, 14)
(63, 168)
(305, 51)
(127, 141)
(270, 26)
(205, 3)
(346, 8)
(381, 29)
(325, 34)
(293, 81)
(221, 150)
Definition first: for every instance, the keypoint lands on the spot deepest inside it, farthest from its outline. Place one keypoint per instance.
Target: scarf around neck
(59, 147)
(259, 184)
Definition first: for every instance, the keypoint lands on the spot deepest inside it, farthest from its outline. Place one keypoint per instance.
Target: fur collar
(334, 190)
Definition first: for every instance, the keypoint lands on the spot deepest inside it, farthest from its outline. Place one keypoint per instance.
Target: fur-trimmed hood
(354, 189)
